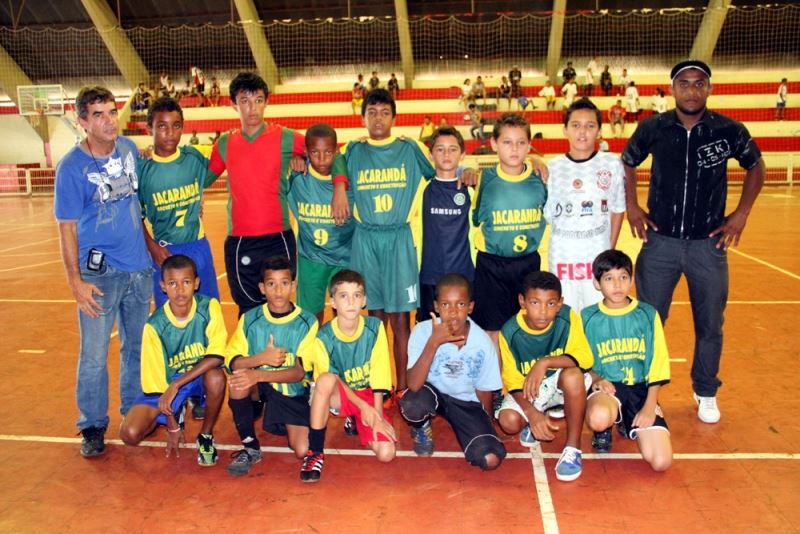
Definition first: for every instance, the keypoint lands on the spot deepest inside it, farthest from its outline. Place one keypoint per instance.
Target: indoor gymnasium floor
(741, 475)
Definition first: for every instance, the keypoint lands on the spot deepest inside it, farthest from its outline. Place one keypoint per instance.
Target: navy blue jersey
(445, 231)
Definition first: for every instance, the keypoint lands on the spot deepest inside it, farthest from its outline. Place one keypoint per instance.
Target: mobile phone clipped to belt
(95, 260)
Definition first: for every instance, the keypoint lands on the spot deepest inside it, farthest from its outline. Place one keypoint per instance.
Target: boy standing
(323, 246)
(353, 371)
(631, 364)
(616, 116)
(507, 209)
(452, 371)
(780, 104)
(269, 355)
(182, 350)
(545, 355)
(171, 192)
(445, 219)
(386, 176)
(585, 205)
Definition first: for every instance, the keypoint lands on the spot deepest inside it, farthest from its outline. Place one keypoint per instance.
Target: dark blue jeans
(660, 265)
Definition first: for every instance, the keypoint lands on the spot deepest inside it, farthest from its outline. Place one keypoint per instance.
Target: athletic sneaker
(556, 412)
(601, 441)
(707, 410)
(569, 465)
(546, 393)
(206, 451)
(423, 438)
(311, 469)
(243, 460)
(526, 438)
(198, 409)
(350, 427)
(93, 443)
(497, 400)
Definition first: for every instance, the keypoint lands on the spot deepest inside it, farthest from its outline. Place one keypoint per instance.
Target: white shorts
(549, 396)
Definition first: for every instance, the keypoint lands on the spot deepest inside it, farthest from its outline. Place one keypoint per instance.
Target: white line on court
(221, 276)
(20, 267)
(31, 351)
(678, 360)
(438, 454)
(546, 508)
(767, 264)
(28, 244)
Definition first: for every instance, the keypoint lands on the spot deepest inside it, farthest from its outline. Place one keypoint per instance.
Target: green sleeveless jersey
(294, 332)
(628, 343)
(385, 177)
(360, 360)
(507, 210)
(318, 237)
(170, 191)
(521, 346)
(171, 348)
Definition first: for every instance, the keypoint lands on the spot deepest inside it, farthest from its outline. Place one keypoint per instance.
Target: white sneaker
(707, 410)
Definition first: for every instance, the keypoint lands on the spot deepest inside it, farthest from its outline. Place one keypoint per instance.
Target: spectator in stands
(616, 117)
(105, 258)
(393, 86)
(476, 120)
(374, 82)
(443, 123)
(187, 89)
(593, 65)
(602, 143)
(169, 88)
(567, 75)
(194, 140)
(632, 101)
(569, 92)
(780, 104)
(214, 93)
(504, 91)
(548, 92)
(588, 86)
(659, 102)
(605, 81)
(479, 90)
(624, 82)
(198, 81)
(685, 228)
(515, 78)
(141, 98)
(357, 98)
(360, 81)
(466, 94)
(426, 132)
(213, 140)
(164, 82)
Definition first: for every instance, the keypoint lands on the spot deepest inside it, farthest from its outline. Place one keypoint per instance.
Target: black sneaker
(243, 460)
(93, 443)
(198, 409)
(350, 428)
(497, 400)
(601, 441)
(311, 470)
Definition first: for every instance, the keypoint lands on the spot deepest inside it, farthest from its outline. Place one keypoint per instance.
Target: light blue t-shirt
(458, 372)
(99, 194)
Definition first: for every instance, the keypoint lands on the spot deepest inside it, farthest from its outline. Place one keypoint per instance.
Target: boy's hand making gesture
(442, 333)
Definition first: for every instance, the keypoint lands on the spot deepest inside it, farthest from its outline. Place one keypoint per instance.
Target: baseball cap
(690, 64)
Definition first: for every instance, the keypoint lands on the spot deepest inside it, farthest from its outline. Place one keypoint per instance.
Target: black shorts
(281, 409)
(472, 426)
(631, 400)
(497, 286)
(243, 258)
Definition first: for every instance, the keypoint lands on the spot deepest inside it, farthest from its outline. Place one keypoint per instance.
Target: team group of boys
(361, 217)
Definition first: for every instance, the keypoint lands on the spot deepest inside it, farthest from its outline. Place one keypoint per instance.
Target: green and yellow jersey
(171, 347)
(521, 346)
(318, 237)
(360, 360)
(171, 191)
(507, 211)
(294, 332)
(628, 343)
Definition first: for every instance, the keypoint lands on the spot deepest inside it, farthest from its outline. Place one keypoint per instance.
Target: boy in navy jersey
(182, 350)
(445, 219)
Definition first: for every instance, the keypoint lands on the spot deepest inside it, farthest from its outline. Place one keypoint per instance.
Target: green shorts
(312, 283)
(387, 259)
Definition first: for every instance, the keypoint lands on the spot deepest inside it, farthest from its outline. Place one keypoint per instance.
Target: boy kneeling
(452, 371)
(631, 364)
(545, 355)
(182, 350)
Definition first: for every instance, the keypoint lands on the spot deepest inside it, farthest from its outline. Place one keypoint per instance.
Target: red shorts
(349, 409)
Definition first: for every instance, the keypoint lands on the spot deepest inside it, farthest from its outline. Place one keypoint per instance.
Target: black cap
(690, 64)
